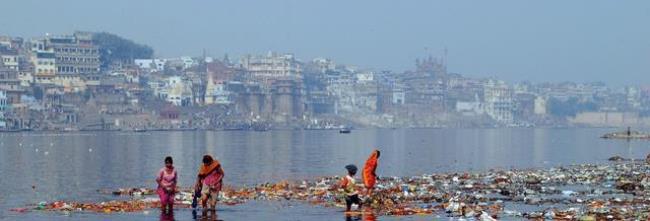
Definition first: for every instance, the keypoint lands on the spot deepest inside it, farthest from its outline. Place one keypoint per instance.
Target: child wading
(349, 185)
(167, 185)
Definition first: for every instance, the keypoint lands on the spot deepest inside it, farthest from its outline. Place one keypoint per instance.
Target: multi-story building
(633, 98)
(9, 57)
(498, 101)
(10, 84)
(174, 90)
(272, 67)
(151, 64)
(540, 106)
(11, 42)
(324, 65)
(75, 54)
(44, 66)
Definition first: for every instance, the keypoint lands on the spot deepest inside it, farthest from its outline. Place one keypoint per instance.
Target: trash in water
(619, 190)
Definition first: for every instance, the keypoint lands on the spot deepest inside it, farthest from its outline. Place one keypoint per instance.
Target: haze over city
(581, 41)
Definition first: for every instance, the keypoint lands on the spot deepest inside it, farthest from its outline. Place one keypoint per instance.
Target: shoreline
(279, 129)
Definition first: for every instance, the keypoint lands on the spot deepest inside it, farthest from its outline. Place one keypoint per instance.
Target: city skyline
(550, 41)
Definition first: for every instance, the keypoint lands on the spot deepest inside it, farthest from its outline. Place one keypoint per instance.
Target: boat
(139, 130)
(628, 134)
(345, 130)
(5, 130)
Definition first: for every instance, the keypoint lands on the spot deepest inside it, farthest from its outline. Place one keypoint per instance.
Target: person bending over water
(209, 182)
(166, 180)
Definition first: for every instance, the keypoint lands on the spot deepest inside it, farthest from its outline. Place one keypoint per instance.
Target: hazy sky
(549, 40)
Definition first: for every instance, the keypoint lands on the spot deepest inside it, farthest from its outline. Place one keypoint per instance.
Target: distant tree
(115, 49)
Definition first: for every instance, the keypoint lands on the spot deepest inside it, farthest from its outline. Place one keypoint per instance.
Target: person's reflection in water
(349, 217)
(369, 217)
(167, 216)
(206, 215)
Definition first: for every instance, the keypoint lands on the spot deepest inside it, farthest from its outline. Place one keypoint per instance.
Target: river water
(38, 167)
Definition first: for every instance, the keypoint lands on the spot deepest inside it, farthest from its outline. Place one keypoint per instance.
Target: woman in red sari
(369, 175)
(209, 181)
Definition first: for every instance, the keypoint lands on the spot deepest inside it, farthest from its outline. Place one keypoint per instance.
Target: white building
(151, 64)
(633, 97)
(540, 106)
(365, 77)
(188, 62)
(175, 90)
(498, 101)
(9, 59)
(398, 96)
(324, 65)
(26, 78)
(272, 66)
(470, 107)
(44, 66)
(217, 94)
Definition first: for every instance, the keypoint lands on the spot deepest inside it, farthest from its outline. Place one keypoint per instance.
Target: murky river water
(73, 166)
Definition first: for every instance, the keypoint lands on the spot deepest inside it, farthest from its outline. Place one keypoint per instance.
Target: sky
(514, 40)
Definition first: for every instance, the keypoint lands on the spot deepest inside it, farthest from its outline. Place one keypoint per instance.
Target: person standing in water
(166, 180)
(349, 186)
(369, 169)
(209, 182)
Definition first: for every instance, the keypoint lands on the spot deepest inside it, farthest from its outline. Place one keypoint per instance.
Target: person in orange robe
(369, 175)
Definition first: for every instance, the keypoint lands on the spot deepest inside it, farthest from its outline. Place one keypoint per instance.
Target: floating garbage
(618, 190)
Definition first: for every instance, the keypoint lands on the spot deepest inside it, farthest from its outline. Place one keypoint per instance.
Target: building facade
(273, 66)
(74, 54)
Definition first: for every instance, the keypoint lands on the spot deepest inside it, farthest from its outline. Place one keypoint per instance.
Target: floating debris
(619, 190)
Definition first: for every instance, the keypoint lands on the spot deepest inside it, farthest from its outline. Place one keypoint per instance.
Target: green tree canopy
(114, 49)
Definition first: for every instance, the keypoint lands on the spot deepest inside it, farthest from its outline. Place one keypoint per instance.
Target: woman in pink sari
(167, 185)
